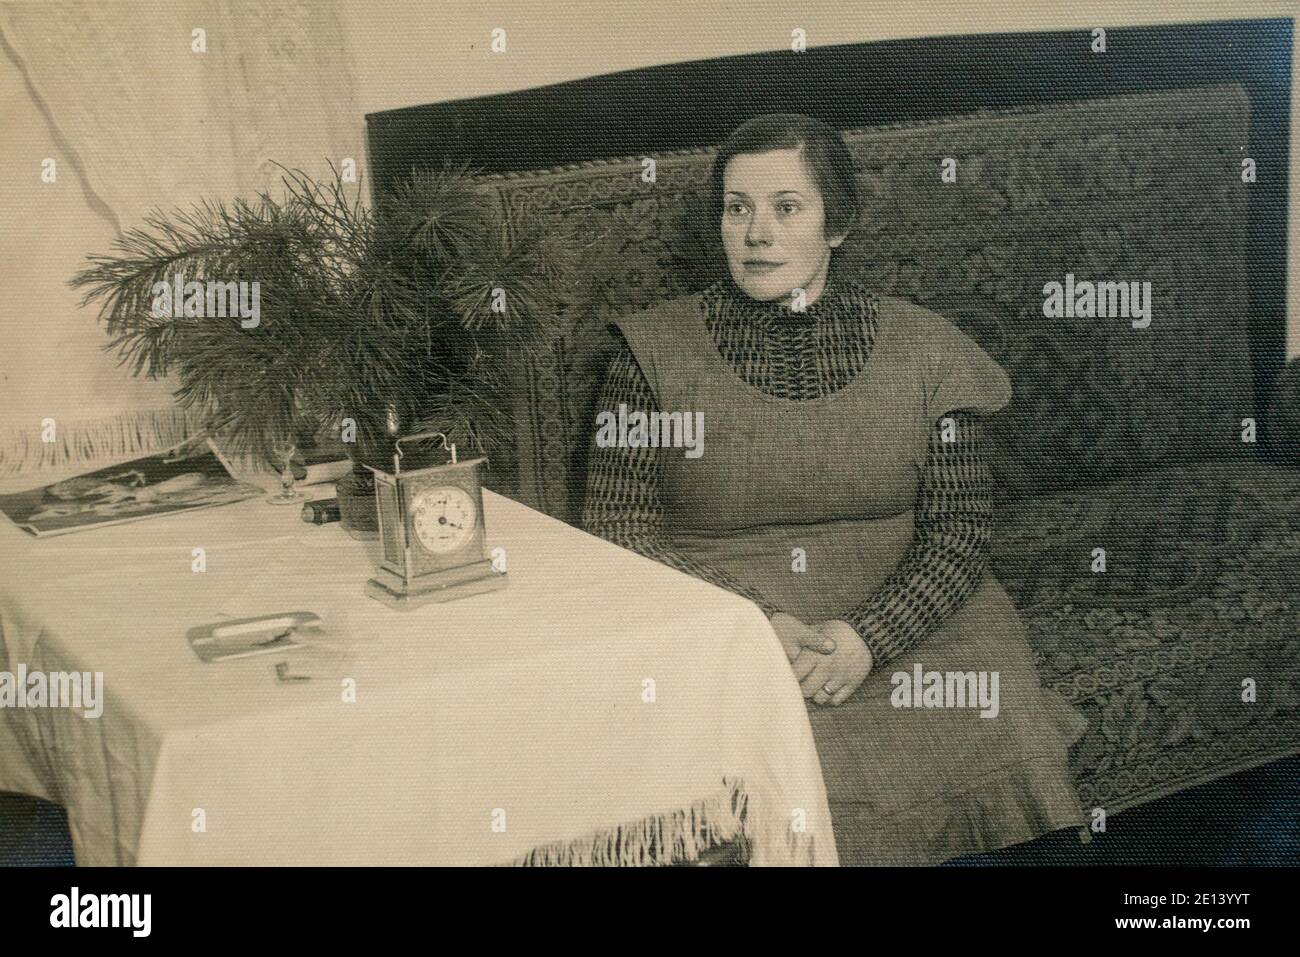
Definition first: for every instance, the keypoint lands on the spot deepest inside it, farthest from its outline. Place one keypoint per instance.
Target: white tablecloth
(524, 708)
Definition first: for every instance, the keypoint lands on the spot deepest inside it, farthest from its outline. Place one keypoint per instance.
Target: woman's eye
(735, 209)
(790, 206)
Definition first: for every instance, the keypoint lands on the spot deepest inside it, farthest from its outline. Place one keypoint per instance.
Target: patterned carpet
(1201, 594)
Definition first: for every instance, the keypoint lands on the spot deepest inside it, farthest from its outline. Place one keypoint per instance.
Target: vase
(358, 512)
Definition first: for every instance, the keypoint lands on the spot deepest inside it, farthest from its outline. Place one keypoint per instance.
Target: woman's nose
(759, 232)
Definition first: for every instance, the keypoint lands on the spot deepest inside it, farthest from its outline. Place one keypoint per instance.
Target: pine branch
(360, 309)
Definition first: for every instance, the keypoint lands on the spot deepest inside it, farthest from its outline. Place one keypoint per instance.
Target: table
(603, 708)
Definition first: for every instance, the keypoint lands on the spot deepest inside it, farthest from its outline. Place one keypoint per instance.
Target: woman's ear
(835, 241)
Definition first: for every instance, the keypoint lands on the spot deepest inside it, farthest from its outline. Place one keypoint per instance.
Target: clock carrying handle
(397, 447)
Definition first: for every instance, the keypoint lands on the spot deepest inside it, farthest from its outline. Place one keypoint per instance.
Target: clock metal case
(409, 575)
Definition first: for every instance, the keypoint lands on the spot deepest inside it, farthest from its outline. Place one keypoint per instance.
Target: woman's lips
(761, 268)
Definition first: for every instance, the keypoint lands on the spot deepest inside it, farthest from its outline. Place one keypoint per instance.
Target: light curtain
(146, 122)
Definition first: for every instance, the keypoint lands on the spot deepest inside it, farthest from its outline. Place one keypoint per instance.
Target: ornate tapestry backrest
(1142, 188)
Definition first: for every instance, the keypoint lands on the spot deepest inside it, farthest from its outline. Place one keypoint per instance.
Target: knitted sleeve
(622, 502)
(950, 552)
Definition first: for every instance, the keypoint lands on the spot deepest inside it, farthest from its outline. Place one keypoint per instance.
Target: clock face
(444, 518)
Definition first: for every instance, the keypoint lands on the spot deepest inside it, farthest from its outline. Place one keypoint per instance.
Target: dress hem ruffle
(993, 814)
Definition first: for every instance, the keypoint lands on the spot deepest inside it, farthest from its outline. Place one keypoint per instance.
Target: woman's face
(772, 226)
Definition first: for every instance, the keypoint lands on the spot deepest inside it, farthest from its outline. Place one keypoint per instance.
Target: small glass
(287, 495)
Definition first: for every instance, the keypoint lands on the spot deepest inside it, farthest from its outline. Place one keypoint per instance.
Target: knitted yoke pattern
(801, 356)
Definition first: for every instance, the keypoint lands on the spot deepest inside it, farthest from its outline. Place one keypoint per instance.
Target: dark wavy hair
(829, 162)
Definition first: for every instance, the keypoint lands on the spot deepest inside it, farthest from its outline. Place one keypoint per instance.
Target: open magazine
(186, 477)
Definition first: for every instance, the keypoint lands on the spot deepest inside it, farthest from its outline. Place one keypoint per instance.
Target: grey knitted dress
(810, 506)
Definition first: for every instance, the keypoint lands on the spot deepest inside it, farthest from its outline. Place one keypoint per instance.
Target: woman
(844, 488)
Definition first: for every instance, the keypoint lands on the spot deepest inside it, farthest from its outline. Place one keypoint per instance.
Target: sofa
(1155, 444)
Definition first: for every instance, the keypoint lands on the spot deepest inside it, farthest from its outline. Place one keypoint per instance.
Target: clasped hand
(829, 658)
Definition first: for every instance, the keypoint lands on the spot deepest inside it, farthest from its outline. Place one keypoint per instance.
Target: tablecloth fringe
(94, 443)
(679, 837)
